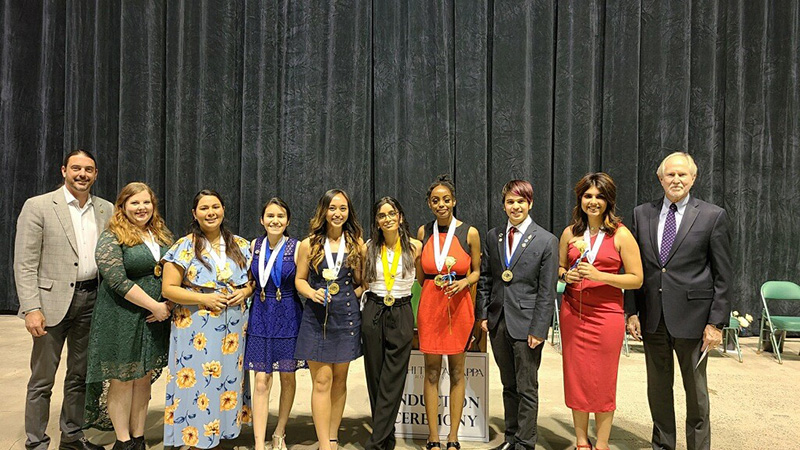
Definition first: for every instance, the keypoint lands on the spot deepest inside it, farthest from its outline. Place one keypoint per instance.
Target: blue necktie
(670, 229)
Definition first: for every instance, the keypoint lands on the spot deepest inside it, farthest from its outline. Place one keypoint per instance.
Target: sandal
(580, 446)
(431, 445)
(454, 444)
(279, 442)
(335, 442)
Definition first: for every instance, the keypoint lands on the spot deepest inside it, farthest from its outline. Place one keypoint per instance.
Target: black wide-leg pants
(386, 335)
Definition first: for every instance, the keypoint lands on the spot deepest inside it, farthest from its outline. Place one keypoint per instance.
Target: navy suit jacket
(691, 289)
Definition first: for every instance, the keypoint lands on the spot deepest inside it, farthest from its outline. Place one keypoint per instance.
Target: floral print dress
(208, 393)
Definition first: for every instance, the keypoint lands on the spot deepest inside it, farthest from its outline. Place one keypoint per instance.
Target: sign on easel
(412, 420)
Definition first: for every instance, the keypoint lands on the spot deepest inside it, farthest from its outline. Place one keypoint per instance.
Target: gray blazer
(46, 255)
(527, 300)
(691, 289)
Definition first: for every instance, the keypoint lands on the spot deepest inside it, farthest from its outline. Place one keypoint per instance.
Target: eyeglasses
(390, 215)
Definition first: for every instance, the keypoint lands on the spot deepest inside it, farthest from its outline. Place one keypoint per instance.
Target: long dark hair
(351, 230)
(608, 191)
(199, 239)
(278, 201)
(377, 240)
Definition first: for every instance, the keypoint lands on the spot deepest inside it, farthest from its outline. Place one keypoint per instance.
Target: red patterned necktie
(511, 232)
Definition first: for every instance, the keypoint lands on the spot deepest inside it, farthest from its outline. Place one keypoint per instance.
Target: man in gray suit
(516, 293)
(56, 278)
(683, 303)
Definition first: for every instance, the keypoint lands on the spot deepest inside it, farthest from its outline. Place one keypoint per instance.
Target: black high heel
(431, 445)
(454, 444)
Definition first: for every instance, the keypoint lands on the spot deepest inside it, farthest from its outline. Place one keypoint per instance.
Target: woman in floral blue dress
(205, 274)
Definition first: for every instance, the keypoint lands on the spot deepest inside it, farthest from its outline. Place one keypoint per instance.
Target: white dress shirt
(86, 234)
(521, 229)
(678, 216)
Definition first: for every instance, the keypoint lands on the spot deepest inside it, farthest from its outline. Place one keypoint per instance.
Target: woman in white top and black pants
(387, 321)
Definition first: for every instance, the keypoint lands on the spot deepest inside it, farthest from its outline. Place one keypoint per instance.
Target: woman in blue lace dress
(275, 314)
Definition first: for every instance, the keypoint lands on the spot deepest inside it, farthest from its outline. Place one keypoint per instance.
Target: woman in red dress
(451, 261)
(592, 250)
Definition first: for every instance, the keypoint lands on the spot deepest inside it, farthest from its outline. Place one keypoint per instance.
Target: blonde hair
(689, 161)
(128, 233)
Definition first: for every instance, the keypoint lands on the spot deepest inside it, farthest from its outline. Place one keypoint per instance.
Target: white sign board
(412, 421)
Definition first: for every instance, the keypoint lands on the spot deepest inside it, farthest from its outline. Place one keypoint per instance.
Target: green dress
(122, 346)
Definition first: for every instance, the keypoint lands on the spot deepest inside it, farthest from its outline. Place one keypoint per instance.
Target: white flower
(329, 274)
(743, 322)
(735, 314)
(749, 318)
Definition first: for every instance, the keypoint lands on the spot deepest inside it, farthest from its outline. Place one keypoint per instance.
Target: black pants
(386, 335)
(519, 373)
(658, 348)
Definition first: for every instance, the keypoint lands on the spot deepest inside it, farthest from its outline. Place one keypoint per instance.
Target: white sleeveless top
(402, 286)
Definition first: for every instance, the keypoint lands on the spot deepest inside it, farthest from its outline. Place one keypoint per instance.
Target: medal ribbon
(271, 268)
(440, 255)
(591, 253)
(219, 259)
(389, 272)
(335, 266)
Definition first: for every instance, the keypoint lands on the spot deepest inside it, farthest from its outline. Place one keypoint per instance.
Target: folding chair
(556, 321)
(778, 290)
(731, 330)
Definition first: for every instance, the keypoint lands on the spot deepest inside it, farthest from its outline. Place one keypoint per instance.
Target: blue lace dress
(274, 324)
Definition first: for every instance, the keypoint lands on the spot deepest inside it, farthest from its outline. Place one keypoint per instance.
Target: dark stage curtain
(291, 98)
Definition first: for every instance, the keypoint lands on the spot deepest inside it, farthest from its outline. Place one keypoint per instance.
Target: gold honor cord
(389, 272)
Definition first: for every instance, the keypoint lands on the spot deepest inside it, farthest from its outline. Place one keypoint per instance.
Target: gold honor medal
(508, 275)
(157, 270)
(438, 280)
(278, 294)
(263, 295)
(388, 300)
(333, 289)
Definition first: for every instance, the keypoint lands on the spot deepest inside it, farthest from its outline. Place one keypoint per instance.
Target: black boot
(138, 443)
(119, 445)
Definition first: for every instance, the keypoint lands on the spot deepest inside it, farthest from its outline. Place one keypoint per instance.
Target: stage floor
(754, 405)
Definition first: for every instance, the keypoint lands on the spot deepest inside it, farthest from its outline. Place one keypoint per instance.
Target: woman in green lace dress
(129, 338)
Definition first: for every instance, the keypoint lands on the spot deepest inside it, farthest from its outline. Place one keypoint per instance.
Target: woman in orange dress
(451, 260)
(592, 251)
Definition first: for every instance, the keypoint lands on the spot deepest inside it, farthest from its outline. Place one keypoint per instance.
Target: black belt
(379, 300)
(430, 277)
(397, 301)
(86, 285)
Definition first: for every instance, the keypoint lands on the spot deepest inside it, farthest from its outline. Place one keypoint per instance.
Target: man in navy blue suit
(683, 303)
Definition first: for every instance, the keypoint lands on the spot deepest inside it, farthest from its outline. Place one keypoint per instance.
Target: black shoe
(454, 444)
(80, 444)
(138, 443)
(127, 445)
(504, 446)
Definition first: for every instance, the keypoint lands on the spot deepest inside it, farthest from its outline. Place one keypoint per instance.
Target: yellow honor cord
(388, 272)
